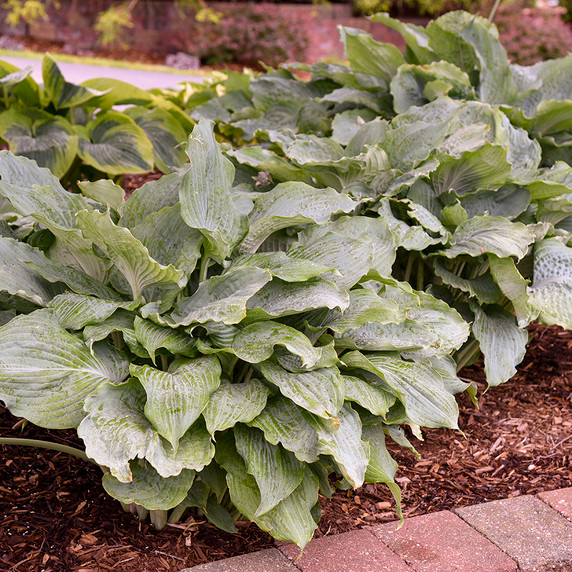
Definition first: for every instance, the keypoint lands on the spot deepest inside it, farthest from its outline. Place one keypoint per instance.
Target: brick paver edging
(526, 533)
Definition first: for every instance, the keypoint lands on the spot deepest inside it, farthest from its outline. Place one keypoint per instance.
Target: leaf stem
(45, 445)
(494, 9)
(466, 353)
(409, 267)
(204, 268)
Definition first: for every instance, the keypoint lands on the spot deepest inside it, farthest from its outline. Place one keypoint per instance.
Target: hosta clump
(465, 157)
(75, 131)
(217, 349)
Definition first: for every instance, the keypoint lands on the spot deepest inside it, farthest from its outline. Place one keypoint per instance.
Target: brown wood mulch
(55, 516)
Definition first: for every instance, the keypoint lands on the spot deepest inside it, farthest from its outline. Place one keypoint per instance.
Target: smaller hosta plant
(217, 351)
(74, 129)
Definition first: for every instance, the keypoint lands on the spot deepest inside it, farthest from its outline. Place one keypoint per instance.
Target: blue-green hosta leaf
(128, 254)
(382, 467)
(347, 124)
(368, 56)
(320, 391)
(501, 340)
(219, 516)
(104, 191)
(166, 135)
(490, 234)
(373, 397)
(472, 43)
(310, 149)
(20, 264)
(169, 239)
(417, 385)
(75, 311)
(408, 237)
(482, 287)
(551, 290)
(279, 298)
(366, 307)
(281, 265)
(343, 442)
(220, 298)
(513, 286)
(235, 403)
(277, 472)
(255, 343)
(150, 198)
(427, 327)
(149, 489)
(365, 99)
(46, 373)
(544, 81)
(177, 397)
(205, 194)
(416, 39)
(33, 189)
(279, 168)
(484, 168)
(49, 140)
(62, 93)
(20, 83)
(152, 337)
(284, 422)
(18, 278)
(351, 257)
(115, 144)
(416, 85)
(116, 431)
(508, 201)
(552, 182)
(290, 204)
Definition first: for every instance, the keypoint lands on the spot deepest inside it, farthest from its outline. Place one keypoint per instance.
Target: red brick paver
(559, 500)
(356, 551)
(442, 542)
(270, 560)
(527, 529)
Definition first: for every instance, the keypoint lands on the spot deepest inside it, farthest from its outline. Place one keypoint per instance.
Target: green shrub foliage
(268, 314)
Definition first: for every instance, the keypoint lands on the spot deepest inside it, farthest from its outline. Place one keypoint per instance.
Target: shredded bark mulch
(55, 516)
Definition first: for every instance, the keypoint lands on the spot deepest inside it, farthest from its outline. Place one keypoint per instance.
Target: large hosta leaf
(232, 403)
(320, 391)
(46, 373)
(206, 202)
(49, 140)
(290, 204)
(417, 385)
(220, 298)
(277, 472)
(256, 343)
(115, 144)
(368, 56)
(116, 431)
(373, 397)
(502, 342)
(116, 92)
(490, 234)
(104, 191)
(279, 298)
(284, 422)
(176, 398)
(149, 489)
(75, 311)
(152, 337)
(551, 290)
(129, 255)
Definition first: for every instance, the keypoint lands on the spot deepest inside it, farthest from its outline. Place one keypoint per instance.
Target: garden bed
(57, 517)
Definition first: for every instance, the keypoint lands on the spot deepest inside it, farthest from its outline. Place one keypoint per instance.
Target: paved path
(526, 534)
(76, 73)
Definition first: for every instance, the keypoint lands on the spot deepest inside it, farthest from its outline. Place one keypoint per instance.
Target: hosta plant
(216, 349)
(74, 129)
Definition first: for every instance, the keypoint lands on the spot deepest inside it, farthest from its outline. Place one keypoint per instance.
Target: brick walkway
(526, 533)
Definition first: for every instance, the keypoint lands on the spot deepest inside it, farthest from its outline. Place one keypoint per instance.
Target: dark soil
(55, 516)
